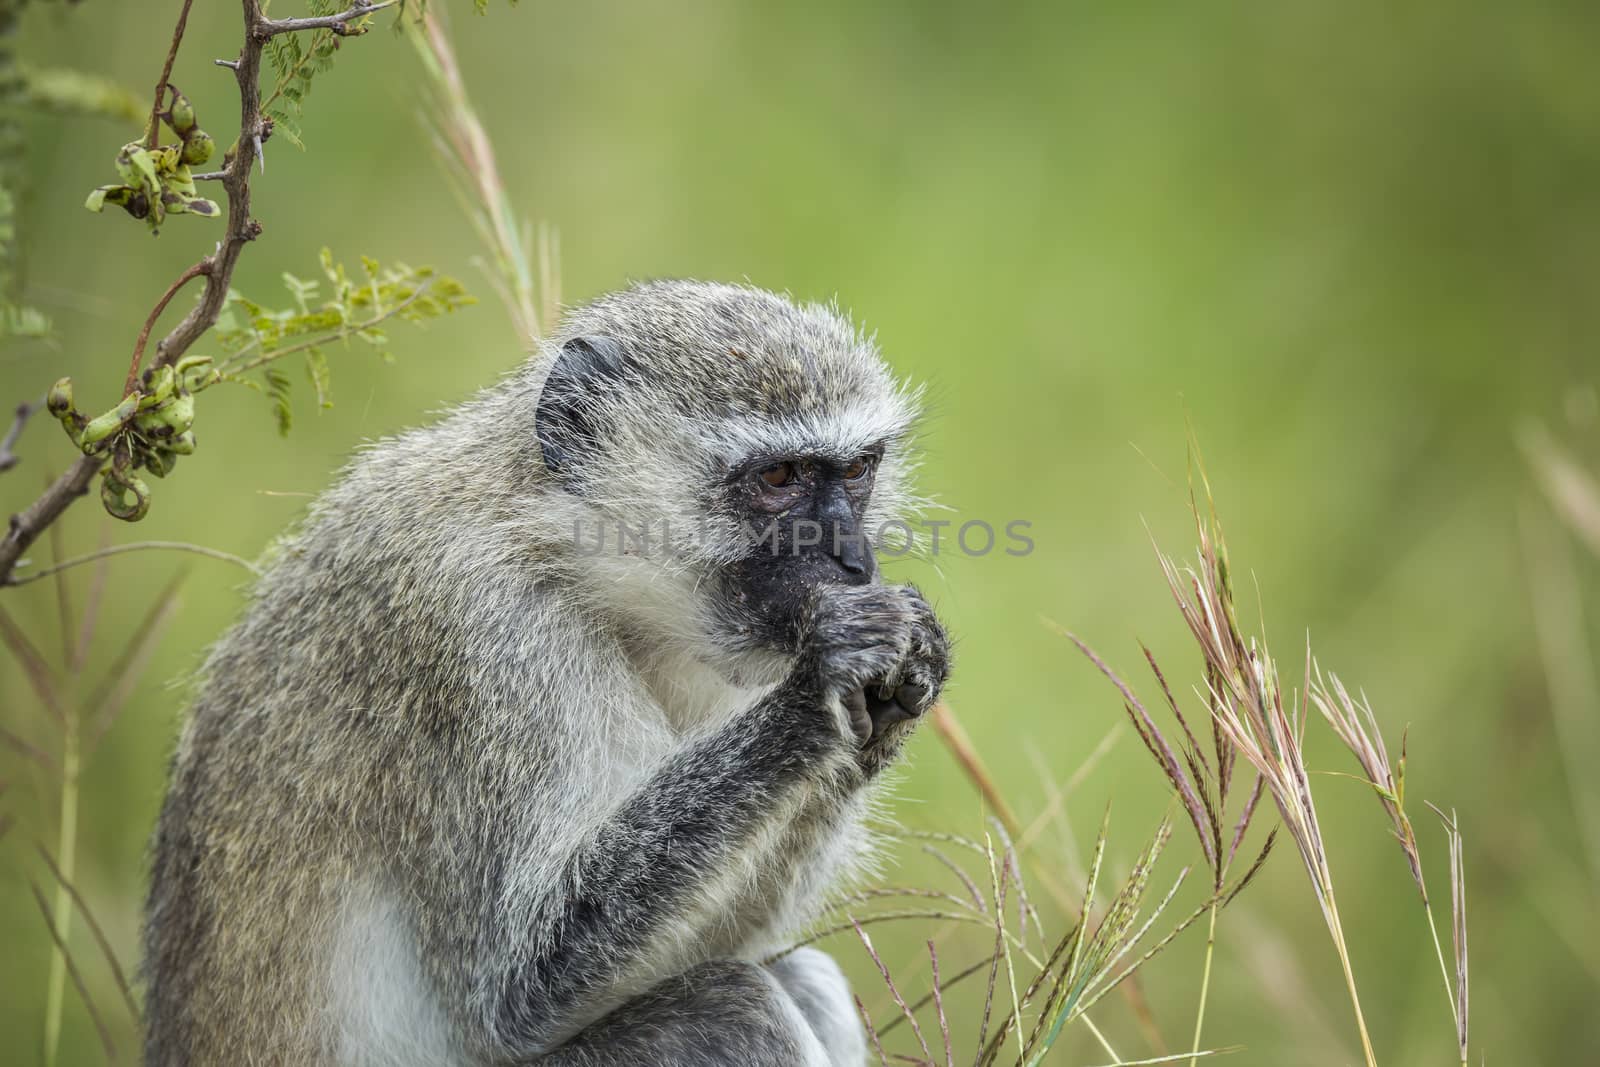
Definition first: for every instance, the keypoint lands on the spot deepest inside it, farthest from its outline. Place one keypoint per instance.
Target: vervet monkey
(461, 789)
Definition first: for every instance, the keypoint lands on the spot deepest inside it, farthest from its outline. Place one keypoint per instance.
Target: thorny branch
(336, 23)
(8, 443)
(240, 230)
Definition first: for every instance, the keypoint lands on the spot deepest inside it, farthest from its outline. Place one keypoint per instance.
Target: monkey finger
(913, 697)
(855, 708)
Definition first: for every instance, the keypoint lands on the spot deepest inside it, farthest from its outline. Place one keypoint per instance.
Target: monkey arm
(648, 881)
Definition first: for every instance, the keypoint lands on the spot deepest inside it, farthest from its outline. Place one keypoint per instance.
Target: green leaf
(278, 390)
(317, 370)
(284, 126)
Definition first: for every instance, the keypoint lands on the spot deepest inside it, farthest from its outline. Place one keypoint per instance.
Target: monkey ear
(565, 421)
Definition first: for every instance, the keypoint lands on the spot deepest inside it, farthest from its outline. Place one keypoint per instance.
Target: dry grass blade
(1253, 869)
(1458, 923)
(112, 694)
(927, 998)
(69, 653)
(77, 976)
(1091, 958)
(1100, 986)
(33, 666)
(966, 879)
(1107, 985)
(1247, 707)
(89, 621)
(894, 990)
(1200, 813)
(870, 920)
(955, 738)
(1243, 825)
(1204, 791)
(100, 938)
(29, 751)
(1355, 725)
(1172, 704)
(863, 896)
(994, 962)
(1178, 1056)
(996, 877)
(872, 1034)
(938, 1007)
(468, 154)
(1025, 910)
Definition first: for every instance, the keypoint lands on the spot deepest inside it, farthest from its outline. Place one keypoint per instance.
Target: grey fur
(451, 793)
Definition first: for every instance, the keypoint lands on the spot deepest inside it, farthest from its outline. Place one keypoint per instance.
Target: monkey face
(801, 518)
(759, 438)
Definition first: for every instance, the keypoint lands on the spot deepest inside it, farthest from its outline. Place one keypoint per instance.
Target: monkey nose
(853, 554)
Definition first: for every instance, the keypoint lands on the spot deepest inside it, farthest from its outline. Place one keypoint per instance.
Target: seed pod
(197, 147)
(116, 489)
(160, 462)
(60, 399)
(103, 426)
(180, 115)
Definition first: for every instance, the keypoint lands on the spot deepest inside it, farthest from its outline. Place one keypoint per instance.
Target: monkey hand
(880, 653)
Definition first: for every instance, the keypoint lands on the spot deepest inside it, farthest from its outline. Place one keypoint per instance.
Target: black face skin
(803, 518)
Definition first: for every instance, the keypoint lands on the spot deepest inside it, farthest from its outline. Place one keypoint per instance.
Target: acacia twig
(240, 229)
(8, 444)
(185, 278)
(357, 8)
(152, 129)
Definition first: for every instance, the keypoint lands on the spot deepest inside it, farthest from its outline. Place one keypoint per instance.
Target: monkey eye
(778, 475)
(858, 468)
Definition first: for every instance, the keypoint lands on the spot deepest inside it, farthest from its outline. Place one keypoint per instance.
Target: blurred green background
(1354, 244)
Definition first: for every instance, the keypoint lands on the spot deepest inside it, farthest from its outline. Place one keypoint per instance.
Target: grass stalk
(1331, 912)
(1205, 984)
(1444, 969)
(61, 906)
(1098, 1036)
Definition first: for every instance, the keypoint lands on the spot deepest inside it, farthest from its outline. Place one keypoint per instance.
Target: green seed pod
(115, 491)
(180, 116)
(173, 417)
(160, 462)
(160, 386)
(198, 147)
(181, 445)
(60, 399)
(179, 204)
(103, 426)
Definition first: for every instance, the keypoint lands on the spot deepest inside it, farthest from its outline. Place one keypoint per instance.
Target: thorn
(261, 157)
(231, 64)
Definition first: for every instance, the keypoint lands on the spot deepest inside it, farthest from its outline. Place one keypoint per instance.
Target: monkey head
(721, 453)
